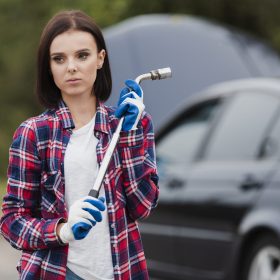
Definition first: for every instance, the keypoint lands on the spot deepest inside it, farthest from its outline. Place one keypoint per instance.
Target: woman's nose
(72, 67)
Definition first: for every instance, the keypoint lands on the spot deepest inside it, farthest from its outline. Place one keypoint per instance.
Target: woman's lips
(73, 81)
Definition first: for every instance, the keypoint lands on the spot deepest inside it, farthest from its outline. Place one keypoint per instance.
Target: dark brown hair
(46, 90)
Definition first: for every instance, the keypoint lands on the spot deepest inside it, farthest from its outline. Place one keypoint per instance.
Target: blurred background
(21, 23)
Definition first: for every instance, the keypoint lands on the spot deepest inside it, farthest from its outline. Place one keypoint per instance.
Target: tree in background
(258, 17)
(21, 22)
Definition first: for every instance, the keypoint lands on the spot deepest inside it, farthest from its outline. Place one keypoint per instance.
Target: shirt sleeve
(20, 224)
(139, 169)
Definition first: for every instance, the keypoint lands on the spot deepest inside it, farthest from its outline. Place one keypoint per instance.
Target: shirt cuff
(51, 238)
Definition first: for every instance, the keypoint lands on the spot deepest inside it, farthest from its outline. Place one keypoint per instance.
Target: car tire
(262, 261)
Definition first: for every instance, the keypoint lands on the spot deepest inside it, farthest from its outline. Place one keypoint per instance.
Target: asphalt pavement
(9, 258)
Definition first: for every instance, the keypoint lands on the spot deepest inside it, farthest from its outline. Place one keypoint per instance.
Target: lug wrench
(158, 74)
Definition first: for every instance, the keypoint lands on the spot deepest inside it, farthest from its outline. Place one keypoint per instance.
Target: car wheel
(263, 260)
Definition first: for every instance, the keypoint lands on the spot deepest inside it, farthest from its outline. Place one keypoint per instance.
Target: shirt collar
(64, 114)
(101, 119)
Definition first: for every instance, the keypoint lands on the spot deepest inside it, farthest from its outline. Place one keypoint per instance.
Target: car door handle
(250, 183)
(175, 183)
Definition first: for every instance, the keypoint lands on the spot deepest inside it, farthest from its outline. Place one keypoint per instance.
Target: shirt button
(116, 267)
(113, 225)
(114, 245)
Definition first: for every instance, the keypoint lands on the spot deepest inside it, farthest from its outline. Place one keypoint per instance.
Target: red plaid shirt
(35, 201)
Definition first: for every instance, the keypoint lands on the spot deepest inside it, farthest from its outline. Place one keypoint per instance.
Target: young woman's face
(74, 60)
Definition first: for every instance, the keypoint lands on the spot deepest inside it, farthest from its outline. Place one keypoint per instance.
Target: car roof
(267, 85)
(222, 90)
(270, 84)
(199, 52)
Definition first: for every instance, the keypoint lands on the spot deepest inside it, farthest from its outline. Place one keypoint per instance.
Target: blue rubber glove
(83, 215)
(130, 105)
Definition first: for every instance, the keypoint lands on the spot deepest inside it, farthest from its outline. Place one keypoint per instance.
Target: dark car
(219, 210)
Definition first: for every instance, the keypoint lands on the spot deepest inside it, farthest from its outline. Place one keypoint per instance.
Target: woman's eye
(58, 59)
(83, 55)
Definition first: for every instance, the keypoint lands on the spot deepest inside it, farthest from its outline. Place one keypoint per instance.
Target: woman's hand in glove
(83, 215)
(130, 105)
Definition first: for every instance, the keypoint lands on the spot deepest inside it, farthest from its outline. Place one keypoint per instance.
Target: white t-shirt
(89, 258)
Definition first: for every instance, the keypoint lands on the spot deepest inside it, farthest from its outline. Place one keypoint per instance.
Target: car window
(271, 144)
(182, 142)
(241, 130)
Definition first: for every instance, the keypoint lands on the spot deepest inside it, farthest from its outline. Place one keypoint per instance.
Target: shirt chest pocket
(52, 194)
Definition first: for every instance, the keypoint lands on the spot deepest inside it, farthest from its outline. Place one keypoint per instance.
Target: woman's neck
(82, 110)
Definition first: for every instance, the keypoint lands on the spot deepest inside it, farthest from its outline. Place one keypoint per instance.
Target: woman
(54, 159)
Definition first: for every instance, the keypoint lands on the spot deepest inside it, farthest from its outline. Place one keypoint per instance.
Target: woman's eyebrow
(82, 50)
(56, 53)
(78, 51)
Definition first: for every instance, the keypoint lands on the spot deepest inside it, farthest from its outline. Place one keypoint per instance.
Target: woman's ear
(101, 57)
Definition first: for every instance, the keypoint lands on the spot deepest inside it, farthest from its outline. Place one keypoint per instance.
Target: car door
(175, 152)
(210, 176)
(223, 184)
